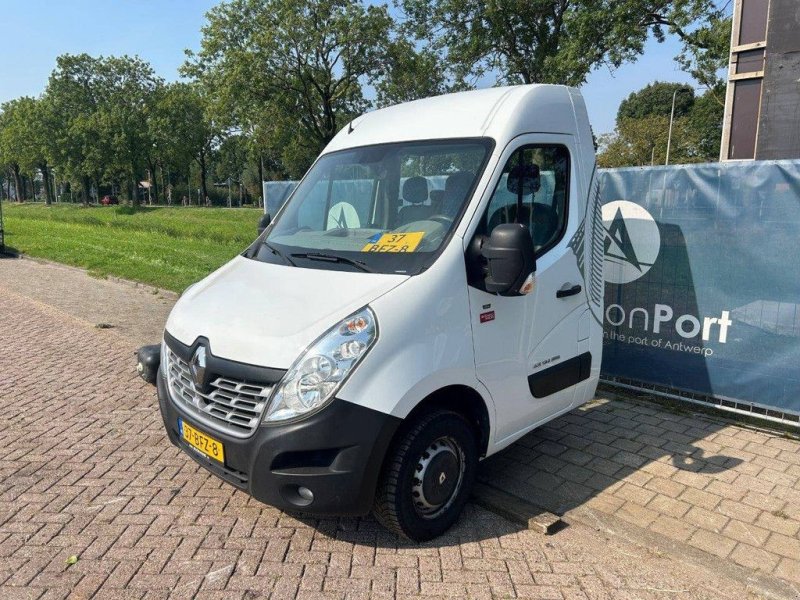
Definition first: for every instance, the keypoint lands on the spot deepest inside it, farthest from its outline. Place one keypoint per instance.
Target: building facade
(762, 104)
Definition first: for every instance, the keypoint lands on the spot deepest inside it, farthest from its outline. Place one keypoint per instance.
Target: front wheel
(428, 476)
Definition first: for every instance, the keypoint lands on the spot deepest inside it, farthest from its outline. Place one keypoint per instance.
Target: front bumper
(336, 453)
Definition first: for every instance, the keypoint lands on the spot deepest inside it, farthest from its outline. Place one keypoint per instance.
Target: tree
(231, 161)
(26, 142)
(705, 54)
(413, 74)
(74, 94)
(545, 41)
(656, 99)
(641, 135)
(8, 157)
(101, 107)
(130, 86)
(291, 69)
(182, 131)
(705, 119)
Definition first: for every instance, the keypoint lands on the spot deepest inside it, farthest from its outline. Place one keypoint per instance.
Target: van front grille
(234, 407)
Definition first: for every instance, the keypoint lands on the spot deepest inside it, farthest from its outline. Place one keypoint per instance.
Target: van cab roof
(501, 113)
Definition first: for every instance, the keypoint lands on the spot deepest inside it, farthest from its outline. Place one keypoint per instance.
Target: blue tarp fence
(702, 276)
(702, 268)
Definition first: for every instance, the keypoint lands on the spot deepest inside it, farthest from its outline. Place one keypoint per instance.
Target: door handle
(566, 291)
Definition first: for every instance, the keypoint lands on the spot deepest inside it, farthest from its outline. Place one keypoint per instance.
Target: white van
(430, 292)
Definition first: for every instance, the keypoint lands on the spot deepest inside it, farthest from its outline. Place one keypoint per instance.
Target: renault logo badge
(198, 367)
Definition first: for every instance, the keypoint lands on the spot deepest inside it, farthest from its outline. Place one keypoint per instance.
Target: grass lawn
(166, 247)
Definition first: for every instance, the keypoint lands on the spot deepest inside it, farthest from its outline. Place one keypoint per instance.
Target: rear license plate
(205, 444)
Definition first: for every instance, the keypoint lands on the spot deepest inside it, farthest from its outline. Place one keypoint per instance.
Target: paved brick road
(713, 486)
(88, 472)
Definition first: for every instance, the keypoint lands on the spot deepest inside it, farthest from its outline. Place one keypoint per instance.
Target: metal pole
(671, 119)
(261, 177)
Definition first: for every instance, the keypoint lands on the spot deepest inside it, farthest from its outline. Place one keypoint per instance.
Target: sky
(34, 32)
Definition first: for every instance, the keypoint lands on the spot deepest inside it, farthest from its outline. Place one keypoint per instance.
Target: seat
(455, 191)
(436, 200)
(415, 192)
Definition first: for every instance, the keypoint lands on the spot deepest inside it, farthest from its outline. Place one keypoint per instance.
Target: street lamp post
(671, 119)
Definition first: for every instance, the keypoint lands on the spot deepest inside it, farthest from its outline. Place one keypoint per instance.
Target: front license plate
(207, 445)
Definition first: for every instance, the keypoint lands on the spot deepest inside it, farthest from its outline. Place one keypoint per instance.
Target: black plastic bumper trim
(337, 453)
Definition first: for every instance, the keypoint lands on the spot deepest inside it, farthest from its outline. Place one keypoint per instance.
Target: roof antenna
(349, 128)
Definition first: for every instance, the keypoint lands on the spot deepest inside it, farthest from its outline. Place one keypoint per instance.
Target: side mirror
(509, 258)
(264, 222)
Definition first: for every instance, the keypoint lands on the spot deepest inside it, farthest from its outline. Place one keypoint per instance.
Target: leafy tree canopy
(546, 41)
(101, 107)
(641, 136)
(656, 99)
(705, 54)
(292, 68)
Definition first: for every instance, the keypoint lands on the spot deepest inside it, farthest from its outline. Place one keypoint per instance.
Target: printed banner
(702, 269)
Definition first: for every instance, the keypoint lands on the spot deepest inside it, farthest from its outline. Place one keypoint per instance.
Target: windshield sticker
(395, 242)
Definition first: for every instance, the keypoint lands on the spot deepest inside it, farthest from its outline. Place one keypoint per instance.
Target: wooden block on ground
(515, 509)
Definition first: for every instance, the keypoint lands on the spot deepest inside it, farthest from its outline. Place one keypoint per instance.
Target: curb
(168, 294)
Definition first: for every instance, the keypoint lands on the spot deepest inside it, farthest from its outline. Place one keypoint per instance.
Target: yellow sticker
(396, 242)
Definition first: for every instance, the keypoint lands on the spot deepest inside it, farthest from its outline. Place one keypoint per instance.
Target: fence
(702, 282)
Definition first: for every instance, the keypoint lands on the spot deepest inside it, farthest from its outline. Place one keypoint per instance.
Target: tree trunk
(134, 188)
(153, 181)
(86, 186)
(48, 189)
(19, 188)
(164, 188)
(203, 183)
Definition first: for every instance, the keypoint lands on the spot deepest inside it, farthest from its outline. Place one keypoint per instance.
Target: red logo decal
(487, 316)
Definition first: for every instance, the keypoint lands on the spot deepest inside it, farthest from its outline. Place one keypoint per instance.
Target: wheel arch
(461, 399)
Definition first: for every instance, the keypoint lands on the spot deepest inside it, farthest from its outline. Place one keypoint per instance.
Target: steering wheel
(441, 219)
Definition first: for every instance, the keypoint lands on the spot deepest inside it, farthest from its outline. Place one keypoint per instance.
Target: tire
(442, 446)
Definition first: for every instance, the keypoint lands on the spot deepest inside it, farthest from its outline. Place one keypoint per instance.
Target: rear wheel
(428, 476)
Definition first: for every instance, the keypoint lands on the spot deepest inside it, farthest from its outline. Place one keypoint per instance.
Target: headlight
(320, 371)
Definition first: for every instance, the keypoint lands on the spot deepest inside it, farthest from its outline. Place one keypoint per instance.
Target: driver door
(520, 341)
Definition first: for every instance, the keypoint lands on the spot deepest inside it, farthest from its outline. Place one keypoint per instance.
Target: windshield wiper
(333, 258)
(278, 253)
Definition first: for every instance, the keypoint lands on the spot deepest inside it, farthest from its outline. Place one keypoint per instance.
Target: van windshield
(387, 208)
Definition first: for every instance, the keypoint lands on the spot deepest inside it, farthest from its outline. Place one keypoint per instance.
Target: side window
(533, 190)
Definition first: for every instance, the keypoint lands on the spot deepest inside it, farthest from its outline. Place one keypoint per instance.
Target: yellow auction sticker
(395, 242)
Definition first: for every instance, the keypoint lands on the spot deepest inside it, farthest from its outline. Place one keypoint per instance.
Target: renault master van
(429, 293)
